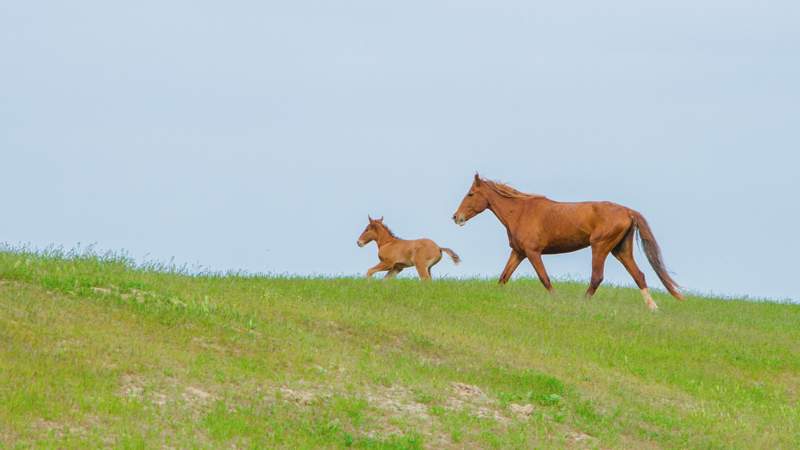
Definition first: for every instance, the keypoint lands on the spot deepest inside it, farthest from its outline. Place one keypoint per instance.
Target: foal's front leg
(380, 267)
(393, 273)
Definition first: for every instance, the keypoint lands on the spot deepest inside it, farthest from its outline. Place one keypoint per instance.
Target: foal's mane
(507, 191)
(382, 225)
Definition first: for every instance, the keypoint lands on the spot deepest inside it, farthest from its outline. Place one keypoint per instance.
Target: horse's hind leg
(624, 253)
(600, 250)
(599, 255)
(603, 243)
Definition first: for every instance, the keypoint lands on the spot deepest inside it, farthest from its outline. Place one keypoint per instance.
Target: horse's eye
(470, 194)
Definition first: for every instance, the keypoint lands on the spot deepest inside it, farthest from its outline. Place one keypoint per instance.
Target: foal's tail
(653, 252)
(456, 259)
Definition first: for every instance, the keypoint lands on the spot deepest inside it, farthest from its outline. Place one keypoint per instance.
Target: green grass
(95, 352)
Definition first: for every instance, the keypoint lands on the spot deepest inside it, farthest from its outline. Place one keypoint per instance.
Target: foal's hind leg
(422, 269)
(424, 259)
(432, 263)
(624, 253)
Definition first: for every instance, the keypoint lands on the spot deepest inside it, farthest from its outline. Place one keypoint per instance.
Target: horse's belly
(564, 248)
(566, 244)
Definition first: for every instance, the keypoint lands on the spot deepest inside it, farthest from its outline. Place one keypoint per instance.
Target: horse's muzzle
(359, 243)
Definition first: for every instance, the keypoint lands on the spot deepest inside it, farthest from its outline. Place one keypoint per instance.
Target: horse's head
(370, 232)
(473, 204)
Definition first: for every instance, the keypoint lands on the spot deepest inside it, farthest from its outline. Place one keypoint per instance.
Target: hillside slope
(95, 353)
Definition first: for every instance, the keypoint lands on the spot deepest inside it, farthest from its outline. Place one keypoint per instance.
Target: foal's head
(370, 232)
(473, 204)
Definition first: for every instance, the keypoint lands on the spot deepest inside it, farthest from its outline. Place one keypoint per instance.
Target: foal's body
(396, 254)
(539, 226)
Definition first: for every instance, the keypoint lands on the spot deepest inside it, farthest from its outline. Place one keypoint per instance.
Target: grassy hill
(96, 353)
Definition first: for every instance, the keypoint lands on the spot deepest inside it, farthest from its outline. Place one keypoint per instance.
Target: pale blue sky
(259, 135)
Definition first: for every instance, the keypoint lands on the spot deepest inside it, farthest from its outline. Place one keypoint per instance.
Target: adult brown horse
(396, 254)
(539, 226)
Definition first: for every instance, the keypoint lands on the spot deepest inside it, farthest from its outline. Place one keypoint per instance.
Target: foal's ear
(477, 179)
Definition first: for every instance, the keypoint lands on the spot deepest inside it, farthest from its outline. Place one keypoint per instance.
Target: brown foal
(539, 226)
(396, 254)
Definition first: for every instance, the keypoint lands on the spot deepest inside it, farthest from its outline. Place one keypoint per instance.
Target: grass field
(96, 353)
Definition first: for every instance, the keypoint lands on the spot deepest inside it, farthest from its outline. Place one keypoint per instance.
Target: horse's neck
(507, 210)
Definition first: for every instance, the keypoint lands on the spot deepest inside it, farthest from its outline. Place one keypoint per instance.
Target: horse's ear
(369, 217)
(381, 219)
(477, 179)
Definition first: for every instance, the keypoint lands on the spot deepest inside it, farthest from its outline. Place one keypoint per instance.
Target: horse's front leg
(536, 259)
(513, 262)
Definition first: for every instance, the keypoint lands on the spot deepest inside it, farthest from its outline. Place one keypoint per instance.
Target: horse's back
(592, 211)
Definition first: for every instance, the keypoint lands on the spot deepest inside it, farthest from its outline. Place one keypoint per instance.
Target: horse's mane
(507, 191)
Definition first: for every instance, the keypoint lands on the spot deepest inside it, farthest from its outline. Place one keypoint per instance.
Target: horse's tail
(456, 259)
(653, 252)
